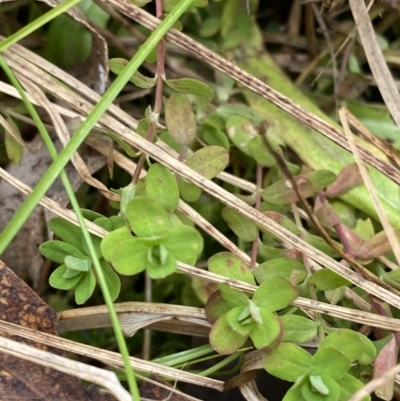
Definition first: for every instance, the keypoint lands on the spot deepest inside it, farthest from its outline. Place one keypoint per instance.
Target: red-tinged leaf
(378, 245)
(209, 161)
(180, 119)
(284, 221)
(386, 359)
(346, 180)
(282, 191)
(224, 339)
(352, 238)
(326, 214)
(231, 266)
(216, 306)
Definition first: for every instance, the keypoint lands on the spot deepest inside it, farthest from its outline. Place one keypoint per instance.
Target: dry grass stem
(102, 377)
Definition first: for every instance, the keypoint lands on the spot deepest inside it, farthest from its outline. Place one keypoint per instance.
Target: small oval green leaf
(189, 86)
(162, 186)
(180, 119)
(209, 161)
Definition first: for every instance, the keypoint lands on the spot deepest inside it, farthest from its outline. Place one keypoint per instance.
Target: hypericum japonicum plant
(238, 316)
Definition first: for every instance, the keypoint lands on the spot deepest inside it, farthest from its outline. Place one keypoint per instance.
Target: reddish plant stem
(254, 248)
(158, 96)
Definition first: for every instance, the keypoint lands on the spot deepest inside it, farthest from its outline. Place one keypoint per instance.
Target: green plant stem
(37, 23)
(56, 167)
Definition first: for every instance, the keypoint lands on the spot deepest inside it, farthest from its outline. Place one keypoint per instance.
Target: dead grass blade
(344, 118)
(102, 377)
(108, 357)
(375, 58)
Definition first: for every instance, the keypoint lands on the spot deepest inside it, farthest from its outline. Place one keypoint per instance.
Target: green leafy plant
(236, 316)
(154, 239)
(325, 375)
(76, 268)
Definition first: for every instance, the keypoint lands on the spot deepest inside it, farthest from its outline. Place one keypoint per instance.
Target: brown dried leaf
(24, 380)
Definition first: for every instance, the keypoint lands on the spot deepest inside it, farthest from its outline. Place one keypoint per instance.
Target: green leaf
(85, 287)
(327, 280)
(283, 221)
(224, 339)
(216, 306)
(58, 250)
(209, 27)
(318, 384)
(67, 232)
(352, 344)
(234, 297)
(321, 245)
(14, 148)
(240, 130)
(162, 186)
(274, 294)
(116, 65)
(255, 312)
(189, 192)
(158, 270)
(230, 110)
(258, 151)
(237, 320)
(112, 239)
(185, 243)
(245, 229)
(229, 265)
(294, 394)
(112, 280)
(82, 265)
(130, 256)
(213, 136)
(170, 4)
(320, 179)
(57, 279)
(180, 119)
(189, 86)
(287, 362)
(147, 217)
(269, 333)
(70, 273)
(349, 385)
(282, 192)
(298, 329)
(290, 269)
(376, 246)
(327, 384)
(331, 362)
(91, 215)
(209, 161)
